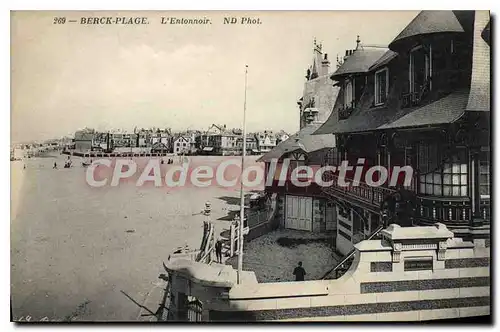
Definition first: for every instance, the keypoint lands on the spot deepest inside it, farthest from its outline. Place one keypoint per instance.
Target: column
(474, 189)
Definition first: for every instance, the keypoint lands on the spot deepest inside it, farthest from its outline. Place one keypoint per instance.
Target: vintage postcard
(250, 166)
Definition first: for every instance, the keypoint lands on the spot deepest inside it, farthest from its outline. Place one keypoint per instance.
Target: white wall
(343, 245)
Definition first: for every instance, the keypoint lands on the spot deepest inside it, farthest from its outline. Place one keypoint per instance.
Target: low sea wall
(412, 274)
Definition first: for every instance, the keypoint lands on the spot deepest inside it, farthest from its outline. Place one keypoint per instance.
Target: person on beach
(218, 251)
(55, 165)
(299, 272)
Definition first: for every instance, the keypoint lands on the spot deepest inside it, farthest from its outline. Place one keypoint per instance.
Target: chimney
(347, 53)
(325, 65)
(339, 61)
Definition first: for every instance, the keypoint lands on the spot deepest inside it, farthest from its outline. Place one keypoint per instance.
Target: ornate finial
(314, 41)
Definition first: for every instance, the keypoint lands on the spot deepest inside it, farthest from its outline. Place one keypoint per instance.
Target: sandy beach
(74, 248)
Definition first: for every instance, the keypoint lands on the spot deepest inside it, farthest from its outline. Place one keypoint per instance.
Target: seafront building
(421, 102)
(306, 208)
(414, 252)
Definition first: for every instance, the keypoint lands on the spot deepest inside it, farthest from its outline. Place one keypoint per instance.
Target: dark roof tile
(301, 140)
(427, 22)
(445, 110)
(384, 60)
(360, 61)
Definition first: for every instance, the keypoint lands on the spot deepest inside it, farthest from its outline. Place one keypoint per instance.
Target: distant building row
(217, 140)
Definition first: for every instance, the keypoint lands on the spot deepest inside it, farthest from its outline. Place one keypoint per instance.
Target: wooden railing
(485, 208)
(451, 211)
(268, 216)
(362, 192)
(345, 111)
(415, 98)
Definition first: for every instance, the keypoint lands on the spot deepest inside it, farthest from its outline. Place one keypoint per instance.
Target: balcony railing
(452, 211)
(415, 98)
(371, 195)
(345, 111)
(485, 208)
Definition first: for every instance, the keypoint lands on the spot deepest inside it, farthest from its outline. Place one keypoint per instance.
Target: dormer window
(420, 69)
(348, 93)
(381, 86)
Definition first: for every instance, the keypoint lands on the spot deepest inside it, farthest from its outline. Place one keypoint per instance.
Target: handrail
(351, 253)
(369, 194)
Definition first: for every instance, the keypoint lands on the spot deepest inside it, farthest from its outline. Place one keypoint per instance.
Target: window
(448, 180)
(381, 86)
(348, 92)
(331, 157)
(484, 174)
(420, 69)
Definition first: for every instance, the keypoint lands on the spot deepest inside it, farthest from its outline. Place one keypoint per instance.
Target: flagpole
(242, 196)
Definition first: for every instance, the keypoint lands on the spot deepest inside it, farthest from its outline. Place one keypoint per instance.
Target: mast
(242, 196)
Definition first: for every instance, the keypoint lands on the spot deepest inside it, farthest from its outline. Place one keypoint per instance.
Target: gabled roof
(303, 140)
(360, 61)
(428, 22)
(186, 138)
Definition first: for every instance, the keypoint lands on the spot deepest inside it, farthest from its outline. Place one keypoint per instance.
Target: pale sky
(71, 76)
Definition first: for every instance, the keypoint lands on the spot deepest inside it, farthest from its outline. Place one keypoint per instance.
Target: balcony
(345, 111)
(367, 196)
(452, 211)
(410, 99)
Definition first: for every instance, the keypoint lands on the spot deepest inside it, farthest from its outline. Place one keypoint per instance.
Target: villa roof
(384, 60)
(428, 22)
(445, 110)
(303, 140)
(360, 61)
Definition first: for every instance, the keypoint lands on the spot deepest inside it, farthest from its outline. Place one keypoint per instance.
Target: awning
(208, 148)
